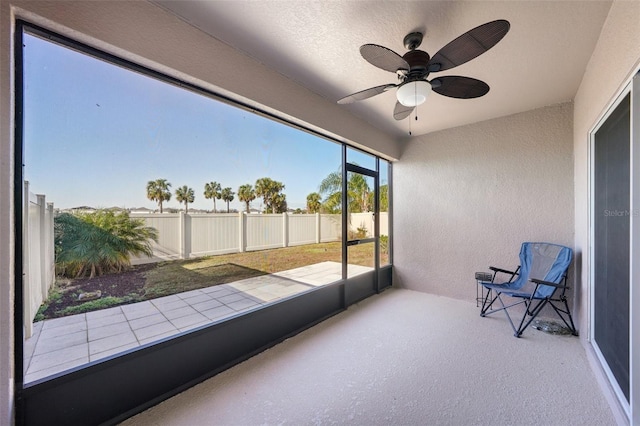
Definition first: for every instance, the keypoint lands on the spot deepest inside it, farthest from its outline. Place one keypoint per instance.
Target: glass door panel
(611, 243)
(361, 232)
(383, 214)
(361, 259)
(361, 159)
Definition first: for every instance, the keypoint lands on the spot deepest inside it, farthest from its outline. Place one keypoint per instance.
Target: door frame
(632, 407)
(367, 284)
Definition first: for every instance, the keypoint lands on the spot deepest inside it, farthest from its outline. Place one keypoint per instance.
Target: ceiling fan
(415, 66)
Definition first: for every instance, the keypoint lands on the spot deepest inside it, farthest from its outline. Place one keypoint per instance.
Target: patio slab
(63, 343)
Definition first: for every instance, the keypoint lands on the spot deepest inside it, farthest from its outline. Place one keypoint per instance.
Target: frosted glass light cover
(413, 93)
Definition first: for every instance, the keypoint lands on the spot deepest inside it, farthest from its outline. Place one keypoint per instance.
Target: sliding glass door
(611, 242)
(615, 246)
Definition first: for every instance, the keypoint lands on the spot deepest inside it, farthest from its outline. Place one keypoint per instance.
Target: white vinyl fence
(366, 221)
(38, 254)
(184, 236)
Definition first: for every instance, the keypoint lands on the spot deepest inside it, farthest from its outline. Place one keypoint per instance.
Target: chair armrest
(537, 281)
(493, 268)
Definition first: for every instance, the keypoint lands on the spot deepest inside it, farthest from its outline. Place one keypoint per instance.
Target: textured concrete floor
(401, 358)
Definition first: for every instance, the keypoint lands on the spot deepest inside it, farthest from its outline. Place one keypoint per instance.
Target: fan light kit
(415, 66)
(413, 93)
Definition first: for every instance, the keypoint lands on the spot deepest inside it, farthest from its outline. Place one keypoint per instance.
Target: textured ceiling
(316, 43)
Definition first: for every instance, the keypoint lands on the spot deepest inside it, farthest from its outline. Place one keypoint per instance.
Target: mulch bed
(120, 284)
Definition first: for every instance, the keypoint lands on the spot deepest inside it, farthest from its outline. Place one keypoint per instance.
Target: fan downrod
(413, 40)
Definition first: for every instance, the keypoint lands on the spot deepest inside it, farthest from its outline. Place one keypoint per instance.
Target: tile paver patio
(63, 343)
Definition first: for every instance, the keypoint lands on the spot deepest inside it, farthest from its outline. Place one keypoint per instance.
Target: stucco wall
(615, 59)
(467, 197)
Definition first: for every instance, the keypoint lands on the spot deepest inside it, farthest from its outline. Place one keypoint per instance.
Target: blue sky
(96, 133)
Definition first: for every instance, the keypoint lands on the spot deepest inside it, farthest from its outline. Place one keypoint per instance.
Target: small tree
(279, 203)
(100, 242)
(246, 194)
(270, 191)
(228, 196)
(314, 202)
(158, 190)
(212, 191)
(185, 195)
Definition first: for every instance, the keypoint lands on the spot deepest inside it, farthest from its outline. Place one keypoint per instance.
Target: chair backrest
(543, 261)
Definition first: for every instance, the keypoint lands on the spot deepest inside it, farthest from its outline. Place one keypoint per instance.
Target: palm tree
(332, 186)
(246, 194)
(227, 195)
(314, 202)
(158, 190)
(270, 191)
(212, 191)
(185, 195)
(279, 203)
(384, 198)
(357, 192)
(100, 242)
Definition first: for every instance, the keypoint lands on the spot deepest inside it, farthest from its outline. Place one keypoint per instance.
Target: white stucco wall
(615, 59)
(466, 198)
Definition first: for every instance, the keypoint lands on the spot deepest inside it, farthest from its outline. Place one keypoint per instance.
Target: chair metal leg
(570, 325)
(533, 313)
(485, 307)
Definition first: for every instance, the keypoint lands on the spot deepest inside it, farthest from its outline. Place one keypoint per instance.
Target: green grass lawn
(184, 275)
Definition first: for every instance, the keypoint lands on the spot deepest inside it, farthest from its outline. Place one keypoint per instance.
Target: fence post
(285, 230)
(42, 244)
(26, 288)
(242, 243)
(318, 233)
(50, 254)
(182, 234)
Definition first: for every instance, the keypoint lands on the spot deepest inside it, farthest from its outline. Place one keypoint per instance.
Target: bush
(100, 242)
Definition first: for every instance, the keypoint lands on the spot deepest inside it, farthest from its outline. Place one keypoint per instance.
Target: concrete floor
(401, 358)
(64, 343)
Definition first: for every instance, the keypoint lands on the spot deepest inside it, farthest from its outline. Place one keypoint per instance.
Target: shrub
(361, 232)
(99, 242)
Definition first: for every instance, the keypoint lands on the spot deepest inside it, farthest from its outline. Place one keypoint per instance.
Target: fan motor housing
(418, 61)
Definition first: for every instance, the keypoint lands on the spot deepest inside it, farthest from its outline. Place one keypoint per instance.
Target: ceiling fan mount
(413, 40)
(414, 67)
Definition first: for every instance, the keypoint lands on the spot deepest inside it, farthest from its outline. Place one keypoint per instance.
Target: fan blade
(400, 112)
(382, 57)
(459, 87)
(365, 94)
(469, 45)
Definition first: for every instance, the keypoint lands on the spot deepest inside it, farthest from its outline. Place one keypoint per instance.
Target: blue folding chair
(540, 280)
